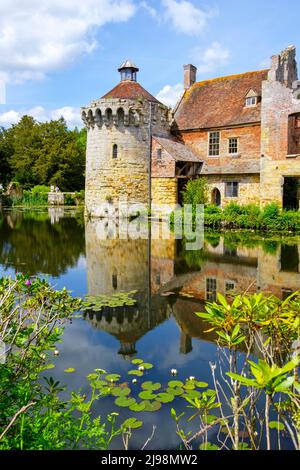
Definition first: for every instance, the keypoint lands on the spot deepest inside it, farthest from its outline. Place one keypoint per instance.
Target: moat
(171, 285)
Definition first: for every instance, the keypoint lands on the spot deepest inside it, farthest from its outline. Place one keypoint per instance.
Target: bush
(195, 192)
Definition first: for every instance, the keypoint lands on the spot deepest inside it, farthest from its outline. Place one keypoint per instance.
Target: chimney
(190, 74)
(284, 67)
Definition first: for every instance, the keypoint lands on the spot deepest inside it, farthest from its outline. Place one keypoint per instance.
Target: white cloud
(152, 12)
(185, 17)
(38, 36)
(211, 58)
(71, 115)
(170, 94)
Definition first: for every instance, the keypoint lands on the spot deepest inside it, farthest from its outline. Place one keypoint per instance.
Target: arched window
(115, 151)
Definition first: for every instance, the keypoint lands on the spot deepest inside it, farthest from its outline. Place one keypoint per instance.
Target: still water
(172, 284)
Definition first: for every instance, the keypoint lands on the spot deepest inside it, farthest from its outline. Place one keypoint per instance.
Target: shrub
(195, 192)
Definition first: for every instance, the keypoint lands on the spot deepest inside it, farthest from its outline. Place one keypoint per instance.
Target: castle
(241, 132)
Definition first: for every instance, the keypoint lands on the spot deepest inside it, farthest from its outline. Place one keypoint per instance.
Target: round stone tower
(119, 129)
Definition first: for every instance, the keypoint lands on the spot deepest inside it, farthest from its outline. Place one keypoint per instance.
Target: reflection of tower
(121, 265)
(118, 141)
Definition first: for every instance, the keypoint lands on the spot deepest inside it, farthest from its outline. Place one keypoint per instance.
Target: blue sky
(57, 55)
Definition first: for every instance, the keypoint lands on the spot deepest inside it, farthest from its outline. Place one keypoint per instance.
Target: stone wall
(164, 191)
(164, 166)
(56, 199)
(124, 123)
(249, 188)
(279, 100)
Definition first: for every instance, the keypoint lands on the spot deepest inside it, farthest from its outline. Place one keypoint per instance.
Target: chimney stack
(190, 74)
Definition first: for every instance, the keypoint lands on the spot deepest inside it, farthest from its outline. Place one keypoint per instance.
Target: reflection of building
(172, 282)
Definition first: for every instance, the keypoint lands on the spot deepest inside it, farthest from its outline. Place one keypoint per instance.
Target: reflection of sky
(86, 348)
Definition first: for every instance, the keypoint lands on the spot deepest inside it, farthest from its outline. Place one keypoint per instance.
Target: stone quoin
(241, 132)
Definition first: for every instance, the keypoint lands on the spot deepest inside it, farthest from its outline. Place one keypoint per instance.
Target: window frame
(159, 154)
(211, 295)
(212, 144)
(237, 187)
(229, 146)
(251, 105)
(115, 151)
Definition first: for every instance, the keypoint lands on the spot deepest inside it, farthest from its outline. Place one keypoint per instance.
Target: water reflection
(171, 283)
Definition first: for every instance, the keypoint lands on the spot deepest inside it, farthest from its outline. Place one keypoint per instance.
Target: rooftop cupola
(128, 71)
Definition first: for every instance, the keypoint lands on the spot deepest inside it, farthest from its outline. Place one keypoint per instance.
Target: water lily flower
(134, 381)
(174, 371)
(141, 368)
(56, 352)
(192, 378)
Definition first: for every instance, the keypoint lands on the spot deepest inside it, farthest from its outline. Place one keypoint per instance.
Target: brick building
(241, 132)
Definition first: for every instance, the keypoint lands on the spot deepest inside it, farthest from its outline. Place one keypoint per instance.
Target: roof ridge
(226, 77)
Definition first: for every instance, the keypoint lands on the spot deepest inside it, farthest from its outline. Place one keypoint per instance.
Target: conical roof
(128, 64)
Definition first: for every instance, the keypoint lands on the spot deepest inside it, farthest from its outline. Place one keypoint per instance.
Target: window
(231, 189)
(114, 281)
(233, 145)
(211, 289)
(159, 154)
(214, 144)
(251, 101)
(229, 286)
(115, 151)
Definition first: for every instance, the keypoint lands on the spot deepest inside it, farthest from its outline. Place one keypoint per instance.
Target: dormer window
(251, 99)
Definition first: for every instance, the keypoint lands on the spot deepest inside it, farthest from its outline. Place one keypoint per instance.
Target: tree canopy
(34, 153)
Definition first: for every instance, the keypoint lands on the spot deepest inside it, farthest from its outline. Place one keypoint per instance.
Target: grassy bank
(250, 216)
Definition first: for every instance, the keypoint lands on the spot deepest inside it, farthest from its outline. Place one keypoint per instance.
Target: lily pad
(201, 384)
(152, 406)
(175, 383)
(132, 423)
(146, 365)
(137, 361)
(176, 391)
(276, 425)
(112, 377)
(121, 392)
(147, 395)
(165, 397)
(151, 386)
(137, 406)
(124, 401)
(69, 370)
(139, 373)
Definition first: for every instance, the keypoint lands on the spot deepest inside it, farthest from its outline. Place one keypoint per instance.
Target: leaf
(201, 384)
(175, 383)
(147, 395)
(47, 367)
(276, 425)
(151, 386)
(112, 377)
(152, 406)
(120, 392)
(137, 361)
(165, 397)
(132, 423)
(243, 380)
(124, 401)
(137, 407)
(175, 391)
(69, 370)
(147, 365)
(208, 446)
(139, 373)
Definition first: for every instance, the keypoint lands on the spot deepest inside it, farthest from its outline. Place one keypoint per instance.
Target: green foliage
(34, 153)
(33, 415)
(195, 192)
(250, 216)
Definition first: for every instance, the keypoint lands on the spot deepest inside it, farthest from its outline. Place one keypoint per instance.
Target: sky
(58, 55)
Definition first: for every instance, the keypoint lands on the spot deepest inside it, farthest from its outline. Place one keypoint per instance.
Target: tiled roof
(220, 102)
(177, 150)
(131, 90)
(238, 167)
